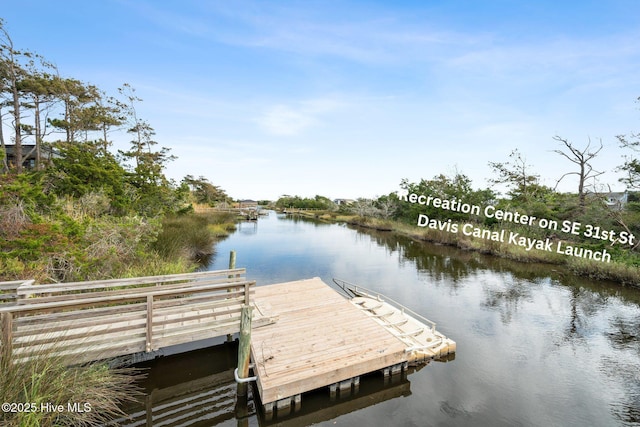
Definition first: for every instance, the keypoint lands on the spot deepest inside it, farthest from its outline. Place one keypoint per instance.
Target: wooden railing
(8, 290)
(109, 318)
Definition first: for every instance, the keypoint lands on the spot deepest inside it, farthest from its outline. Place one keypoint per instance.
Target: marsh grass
(192, 236)
(621, 273)
(626, 271)
(89, 395)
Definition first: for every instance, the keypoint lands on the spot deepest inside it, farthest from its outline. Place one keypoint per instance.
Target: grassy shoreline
(45, 378)
(193, 236)
(621, 273)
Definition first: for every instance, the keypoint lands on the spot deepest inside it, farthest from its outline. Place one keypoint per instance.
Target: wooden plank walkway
(111, 318)
(319, 339)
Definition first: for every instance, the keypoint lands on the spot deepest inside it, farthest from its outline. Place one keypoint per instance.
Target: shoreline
(620, 273)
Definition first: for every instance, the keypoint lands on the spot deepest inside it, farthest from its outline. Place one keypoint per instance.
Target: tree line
(75, 190)
(62, 127)
(591, 202)
(72, 207)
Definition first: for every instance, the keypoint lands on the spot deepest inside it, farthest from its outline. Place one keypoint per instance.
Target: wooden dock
(304, 334)
(318, 339)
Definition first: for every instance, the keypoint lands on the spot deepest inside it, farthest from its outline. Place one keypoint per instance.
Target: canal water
(535, 345)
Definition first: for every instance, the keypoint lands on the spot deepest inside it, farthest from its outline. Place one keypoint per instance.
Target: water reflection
(505, 296)
(625, 333)
(247, 227)
(198, 388)
(320, 406)
(195, 388)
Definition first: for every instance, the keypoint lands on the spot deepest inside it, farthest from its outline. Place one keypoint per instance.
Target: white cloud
(284, 120)
(289, 120)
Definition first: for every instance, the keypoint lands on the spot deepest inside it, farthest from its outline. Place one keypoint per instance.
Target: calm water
(535, 346)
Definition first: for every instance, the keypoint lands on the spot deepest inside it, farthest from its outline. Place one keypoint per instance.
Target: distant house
(616, 200)
(344, 202)
(247, 204)
(29, 155)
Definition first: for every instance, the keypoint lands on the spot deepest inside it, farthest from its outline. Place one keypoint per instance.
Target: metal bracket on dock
(242, 380)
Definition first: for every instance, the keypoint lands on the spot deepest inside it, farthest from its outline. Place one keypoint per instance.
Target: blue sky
(346, 98)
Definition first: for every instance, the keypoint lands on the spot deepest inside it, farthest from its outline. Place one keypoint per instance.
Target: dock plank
(319, 339)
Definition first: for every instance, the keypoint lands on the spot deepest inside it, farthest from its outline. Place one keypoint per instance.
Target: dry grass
(621, 273)
(87, 395)
(13, 219)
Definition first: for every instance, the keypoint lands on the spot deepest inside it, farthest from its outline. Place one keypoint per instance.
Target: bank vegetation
(72, 209)
(594, 224)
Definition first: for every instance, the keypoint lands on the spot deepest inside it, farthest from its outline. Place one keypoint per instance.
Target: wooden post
(149, 342)
(6, 326)
(247, 295)
(244, 348)
(232, 260)
(232, 265)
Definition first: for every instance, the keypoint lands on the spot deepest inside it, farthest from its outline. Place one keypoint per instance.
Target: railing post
(6, 326)
(149, 345)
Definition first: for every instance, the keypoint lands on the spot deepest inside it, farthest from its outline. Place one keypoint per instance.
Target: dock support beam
(283, 407)
(390, 373)
(345, 388)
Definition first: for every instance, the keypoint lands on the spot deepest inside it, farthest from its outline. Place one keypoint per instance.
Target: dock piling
(232, 260)
(232, 265)
(244, 347)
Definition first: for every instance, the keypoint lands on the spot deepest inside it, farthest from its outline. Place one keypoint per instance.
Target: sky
(344, 99)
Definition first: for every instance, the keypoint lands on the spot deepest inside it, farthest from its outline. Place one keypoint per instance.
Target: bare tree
(364, 208)
(582, 159)
(3, 147)
(386, 206)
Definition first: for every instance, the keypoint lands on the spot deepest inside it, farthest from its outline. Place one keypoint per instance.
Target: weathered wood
(247, 295)
(96, 323)
(9, 291)
(40, 297)
(320, 338)
(6, 323)
(244, 347)
(186, 278)
(42, 294)
(88, 301)
(225, 313)
(149, 343)
(69, 318)
(232, 265)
